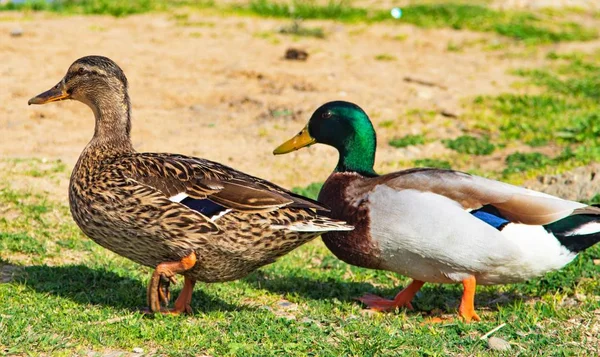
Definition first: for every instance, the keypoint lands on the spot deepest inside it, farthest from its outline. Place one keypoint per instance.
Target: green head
(346, 127)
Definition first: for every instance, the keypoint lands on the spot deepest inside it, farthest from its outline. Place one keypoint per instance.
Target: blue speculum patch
(490, 215)
(204, 206)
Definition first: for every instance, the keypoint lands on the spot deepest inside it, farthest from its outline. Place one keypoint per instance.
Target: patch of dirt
(226, 93)
(579, 184)
(117, 353)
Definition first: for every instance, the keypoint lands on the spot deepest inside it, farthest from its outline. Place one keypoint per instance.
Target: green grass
(296, 28)
(407, 140)
(521, 162)
(467, 144)
(310, 191)
(561, 113)
(519, 25)
(385, 57)
(333, 9)
(440, 164)
(107, 7)
(67, 299)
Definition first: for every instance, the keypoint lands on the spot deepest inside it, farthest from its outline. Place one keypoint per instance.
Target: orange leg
(466, 310)
(403, 298)
(164, 274)
(182, 304)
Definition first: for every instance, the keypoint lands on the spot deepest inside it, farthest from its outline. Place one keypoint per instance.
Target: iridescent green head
(346, 127)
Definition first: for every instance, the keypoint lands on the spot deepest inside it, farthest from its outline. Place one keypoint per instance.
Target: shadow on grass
(430, 297)
(98, 286)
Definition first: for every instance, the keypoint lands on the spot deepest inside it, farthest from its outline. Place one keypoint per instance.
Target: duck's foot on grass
(403, 298)
(466, 310)
(158, 288)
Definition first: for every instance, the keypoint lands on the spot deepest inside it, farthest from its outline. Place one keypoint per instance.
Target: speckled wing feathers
(198, 178)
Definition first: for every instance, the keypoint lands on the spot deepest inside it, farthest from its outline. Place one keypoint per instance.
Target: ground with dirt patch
(219, 88)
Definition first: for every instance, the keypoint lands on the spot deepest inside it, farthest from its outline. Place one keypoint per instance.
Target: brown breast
(345, 194)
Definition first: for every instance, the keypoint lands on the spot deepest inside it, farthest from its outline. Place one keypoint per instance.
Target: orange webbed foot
(378, 303)
(403, 299)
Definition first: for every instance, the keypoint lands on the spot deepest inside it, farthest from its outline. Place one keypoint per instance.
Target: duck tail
(578, 231)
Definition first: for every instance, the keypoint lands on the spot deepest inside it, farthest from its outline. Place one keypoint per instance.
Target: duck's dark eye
(81, 70)
(326, 115)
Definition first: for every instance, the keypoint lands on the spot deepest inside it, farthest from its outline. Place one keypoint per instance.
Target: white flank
(178, 197)
(430, 237)
(588, 228)
(221, 214)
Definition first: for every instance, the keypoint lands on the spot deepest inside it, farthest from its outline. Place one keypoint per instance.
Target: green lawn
(61, 294)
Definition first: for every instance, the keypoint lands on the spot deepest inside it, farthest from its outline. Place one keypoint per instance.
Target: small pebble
(16, 32)
(498, 344)
(296, 54)
(197, 108)
(138, 350)
(286, 305)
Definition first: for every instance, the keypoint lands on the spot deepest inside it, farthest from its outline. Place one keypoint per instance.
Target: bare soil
(219, 87)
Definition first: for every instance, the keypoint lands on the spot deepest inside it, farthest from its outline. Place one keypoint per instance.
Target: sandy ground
(219, 88)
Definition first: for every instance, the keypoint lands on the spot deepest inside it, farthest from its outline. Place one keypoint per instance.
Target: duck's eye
(81, 70)
(326, 115)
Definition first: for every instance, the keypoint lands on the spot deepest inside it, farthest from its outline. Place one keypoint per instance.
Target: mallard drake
(179, 214)
(434, 225)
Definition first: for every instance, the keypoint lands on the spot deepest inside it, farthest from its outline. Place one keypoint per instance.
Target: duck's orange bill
(299, 141)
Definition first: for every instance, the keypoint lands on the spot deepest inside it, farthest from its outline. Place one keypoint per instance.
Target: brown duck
(179, 214)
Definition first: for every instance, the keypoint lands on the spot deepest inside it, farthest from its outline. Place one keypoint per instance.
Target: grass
(440, 164)
(467, 144)
(518, 25)
(407, 140)
(385, 57)
(558, 112)
(301, 305)
(296, 28)
(311, 191)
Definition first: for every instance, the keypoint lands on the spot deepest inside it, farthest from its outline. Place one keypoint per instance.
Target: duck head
(346, 127)
(100, 83)
(86, 78)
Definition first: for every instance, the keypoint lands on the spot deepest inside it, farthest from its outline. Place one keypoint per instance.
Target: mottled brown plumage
(134, 204)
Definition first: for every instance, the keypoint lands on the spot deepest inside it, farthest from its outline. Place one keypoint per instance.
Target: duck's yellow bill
(54, 94)
(297, 142)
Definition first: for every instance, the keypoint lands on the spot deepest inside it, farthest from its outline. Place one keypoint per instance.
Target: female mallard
(180, 214)
(438, 226)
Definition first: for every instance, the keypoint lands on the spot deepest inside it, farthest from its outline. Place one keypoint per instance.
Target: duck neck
(357, 154)
(113, 122)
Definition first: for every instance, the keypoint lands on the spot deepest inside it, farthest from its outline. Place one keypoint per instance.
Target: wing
(515, 203)
(203, 185)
